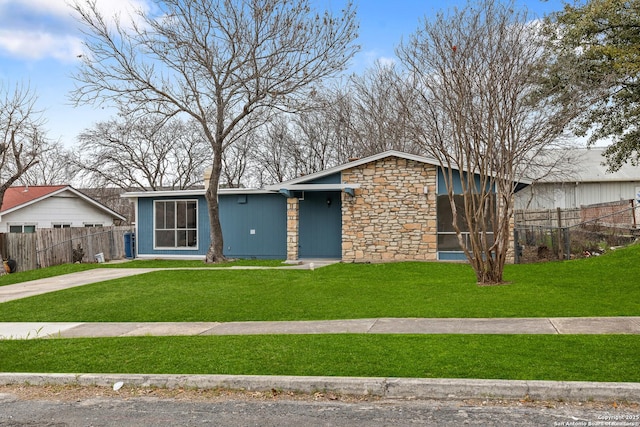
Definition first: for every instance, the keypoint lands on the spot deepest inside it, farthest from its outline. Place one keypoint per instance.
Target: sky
(40, 42)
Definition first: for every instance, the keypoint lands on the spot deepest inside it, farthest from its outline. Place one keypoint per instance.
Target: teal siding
(239, 214)
(335, 178)
(320, 227)
(144, 239)
(457, 186)
(254, 225)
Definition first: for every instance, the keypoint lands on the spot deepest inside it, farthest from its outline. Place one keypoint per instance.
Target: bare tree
(272, 159)
(53, 166)
(22, 135)
(219, 61)
(150, 152)
(478, 106)
(380, 122)
(298, 144)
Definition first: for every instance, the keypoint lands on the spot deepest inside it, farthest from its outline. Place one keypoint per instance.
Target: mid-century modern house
(27, 208)
(391, 206)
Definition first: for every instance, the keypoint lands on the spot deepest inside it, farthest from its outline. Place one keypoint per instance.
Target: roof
(25, 195)
(193, 193)
(16, 198)
(587, 165)
(356, 163)
(301, 182)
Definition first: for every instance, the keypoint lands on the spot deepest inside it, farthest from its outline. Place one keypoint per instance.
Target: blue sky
(40, 41)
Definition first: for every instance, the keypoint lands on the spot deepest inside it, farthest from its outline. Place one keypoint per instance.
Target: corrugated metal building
(582, 180)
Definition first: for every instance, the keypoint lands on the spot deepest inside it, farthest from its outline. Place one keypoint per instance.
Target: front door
(320, 227)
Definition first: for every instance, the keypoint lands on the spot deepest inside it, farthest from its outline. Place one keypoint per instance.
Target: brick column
(292, 228)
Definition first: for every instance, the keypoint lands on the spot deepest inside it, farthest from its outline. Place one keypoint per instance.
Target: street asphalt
(385, 387)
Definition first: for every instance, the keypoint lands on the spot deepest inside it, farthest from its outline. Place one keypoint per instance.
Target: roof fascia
(360, 162)
(199, 192)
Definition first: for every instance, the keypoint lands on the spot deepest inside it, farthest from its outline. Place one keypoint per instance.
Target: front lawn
(602, 286)
(517, 357)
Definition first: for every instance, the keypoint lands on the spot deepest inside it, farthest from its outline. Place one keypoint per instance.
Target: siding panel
(254, 225)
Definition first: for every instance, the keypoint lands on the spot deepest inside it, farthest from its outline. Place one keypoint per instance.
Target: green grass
(603, 286)
(43, 273)
(518, 357)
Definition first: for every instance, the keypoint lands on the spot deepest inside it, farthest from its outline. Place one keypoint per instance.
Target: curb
(391, 388)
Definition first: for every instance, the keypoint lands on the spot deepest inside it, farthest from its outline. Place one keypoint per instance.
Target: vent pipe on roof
(26, 189)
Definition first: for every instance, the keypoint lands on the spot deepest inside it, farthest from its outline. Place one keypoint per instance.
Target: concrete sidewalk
(560, 325)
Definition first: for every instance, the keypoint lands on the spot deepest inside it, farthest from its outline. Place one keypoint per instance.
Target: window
(176, 224)
(91, 225)
(447, 238)
(22, 229)
(62, 225)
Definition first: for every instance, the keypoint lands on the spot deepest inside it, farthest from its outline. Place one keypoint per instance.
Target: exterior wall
(63, 208)
(571, 195)
(390, 218)
(145, 230)
(253, 226)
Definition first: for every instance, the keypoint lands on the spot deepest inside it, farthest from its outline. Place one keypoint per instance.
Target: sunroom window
(176, 224)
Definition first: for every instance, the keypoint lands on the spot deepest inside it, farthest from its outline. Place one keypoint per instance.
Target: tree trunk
(216, 247)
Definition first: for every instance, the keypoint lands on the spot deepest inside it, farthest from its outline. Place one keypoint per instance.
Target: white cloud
(38, 44)
(38, 29)
(61, 7)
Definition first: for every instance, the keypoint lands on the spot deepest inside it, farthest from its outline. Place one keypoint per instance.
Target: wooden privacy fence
(620, 214)
(55, 246)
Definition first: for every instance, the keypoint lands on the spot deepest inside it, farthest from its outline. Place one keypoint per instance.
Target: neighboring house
(388, 207)
(581, 180)
(25, 209)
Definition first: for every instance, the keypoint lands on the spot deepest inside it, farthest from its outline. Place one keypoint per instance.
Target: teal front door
(320, 226)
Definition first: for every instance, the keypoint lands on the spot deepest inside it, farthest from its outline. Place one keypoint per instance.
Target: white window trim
(22, 225)
(176, 248)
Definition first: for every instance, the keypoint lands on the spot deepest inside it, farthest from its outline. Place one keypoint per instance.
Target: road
(63, 406)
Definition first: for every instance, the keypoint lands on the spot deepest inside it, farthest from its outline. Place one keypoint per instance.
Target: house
(27, 208)
(391, 206)
(581, 179)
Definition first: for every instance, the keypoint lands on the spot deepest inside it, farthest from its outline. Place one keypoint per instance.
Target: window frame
(22, 226)
(445, 229)
(190, 229)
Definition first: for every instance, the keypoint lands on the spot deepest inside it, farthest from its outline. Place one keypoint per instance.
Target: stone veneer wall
(390, 218)
(292, 228)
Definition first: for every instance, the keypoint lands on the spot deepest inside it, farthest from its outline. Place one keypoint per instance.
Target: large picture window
(176, 224)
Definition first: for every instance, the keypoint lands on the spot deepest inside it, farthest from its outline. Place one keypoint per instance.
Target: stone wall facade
(393, 214)
(293, 216)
